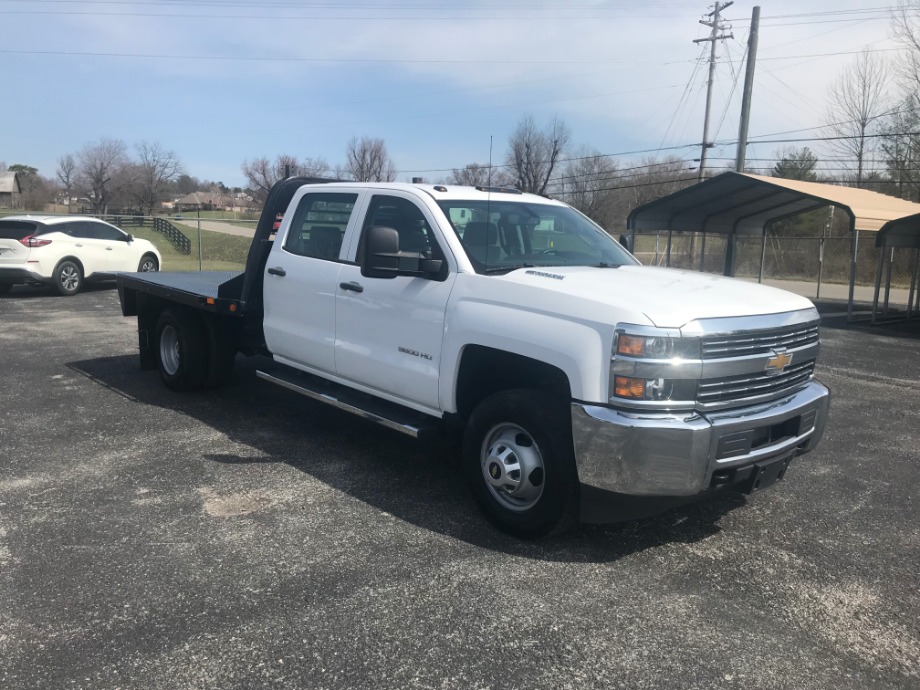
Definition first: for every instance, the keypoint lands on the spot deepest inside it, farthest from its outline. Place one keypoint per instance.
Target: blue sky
(220, 81)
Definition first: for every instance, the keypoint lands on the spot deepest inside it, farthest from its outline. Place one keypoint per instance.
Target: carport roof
(746, 203)
(903, 232)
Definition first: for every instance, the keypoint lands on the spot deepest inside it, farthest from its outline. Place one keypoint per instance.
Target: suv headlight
(654, 367)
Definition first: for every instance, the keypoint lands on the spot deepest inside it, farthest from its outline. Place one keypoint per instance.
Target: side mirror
(625, 241)
(382, 258)
(129, 238)
(381, 253)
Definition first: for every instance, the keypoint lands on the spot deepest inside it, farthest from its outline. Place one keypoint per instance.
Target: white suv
(65, 251)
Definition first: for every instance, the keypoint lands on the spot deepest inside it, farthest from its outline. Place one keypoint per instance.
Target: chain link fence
(812, 266)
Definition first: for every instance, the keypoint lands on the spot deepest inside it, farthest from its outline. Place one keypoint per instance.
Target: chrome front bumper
(656, 454)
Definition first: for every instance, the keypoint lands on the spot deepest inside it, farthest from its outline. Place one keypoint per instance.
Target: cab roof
(444, 192)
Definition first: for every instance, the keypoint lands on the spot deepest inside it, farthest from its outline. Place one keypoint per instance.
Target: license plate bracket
(766, 474)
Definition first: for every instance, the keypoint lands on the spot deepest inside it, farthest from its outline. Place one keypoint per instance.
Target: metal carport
(734, 204)
(905, 233)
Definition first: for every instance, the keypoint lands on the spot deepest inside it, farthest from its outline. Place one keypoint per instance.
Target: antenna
(485, 249)
(490, 161)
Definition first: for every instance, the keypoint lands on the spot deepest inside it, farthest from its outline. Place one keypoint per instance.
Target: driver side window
(415, 234)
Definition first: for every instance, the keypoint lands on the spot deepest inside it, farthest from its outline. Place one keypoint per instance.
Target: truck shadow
(418, 482)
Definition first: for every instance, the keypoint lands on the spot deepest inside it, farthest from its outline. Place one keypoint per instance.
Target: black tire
(68, 278)
(148, 264)
(181, 349)
(507, 438)
(5, 288)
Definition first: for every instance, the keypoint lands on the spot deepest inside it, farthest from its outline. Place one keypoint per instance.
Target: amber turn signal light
(628, 387)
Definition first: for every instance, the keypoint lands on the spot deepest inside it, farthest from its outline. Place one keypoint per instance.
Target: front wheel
(5, 288)
(148, 264)
(519, 459)
(68, 278)
(181, 350)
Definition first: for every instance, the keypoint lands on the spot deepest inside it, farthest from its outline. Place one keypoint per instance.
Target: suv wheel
(148, 264)
(68, 278)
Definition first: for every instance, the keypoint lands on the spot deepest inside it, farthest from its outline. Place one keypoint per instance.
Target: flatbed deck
(200, 289)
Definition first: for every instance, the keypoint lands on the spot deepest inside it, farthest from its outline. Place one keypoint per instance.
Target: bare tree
(533, 154)
(855, 103)
(585, 183)
(900, 145)
(154, 169)
(480, 175)
(470, 175)
(99, 168)
(367, 160)
(262, 173)
(906, 30)
(67, 174)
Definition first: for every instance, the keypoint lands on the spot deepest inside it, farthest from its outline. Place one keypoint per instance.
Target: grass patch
(219, 251)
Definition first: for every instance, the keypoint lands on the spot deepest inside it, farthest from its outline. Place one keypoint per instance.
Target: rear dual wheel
(189, 355)
(181, 350)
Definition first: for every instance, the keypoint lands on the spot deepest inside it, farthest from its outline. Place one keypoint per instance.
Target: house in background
(10, 190)
(204, 201)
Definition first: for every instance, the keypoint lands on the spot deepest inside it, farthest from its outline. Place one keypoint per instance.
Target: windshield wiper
(506, 269)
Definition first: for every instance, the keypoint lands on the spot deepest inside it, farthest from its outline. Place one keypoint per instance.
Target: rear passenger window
(17, 229)
(319, 224)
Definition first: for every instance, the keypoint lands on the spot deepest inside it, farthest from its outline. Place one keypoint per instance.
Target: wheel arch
(484, 371)
(69, 257)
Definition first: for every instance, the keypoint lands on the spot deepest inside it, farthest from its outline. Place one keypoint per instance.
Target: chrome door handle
(354, 287)
(277, 271)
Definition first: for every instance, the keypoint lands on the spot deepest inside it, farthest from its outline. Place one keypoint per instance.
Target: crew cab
(580, 384)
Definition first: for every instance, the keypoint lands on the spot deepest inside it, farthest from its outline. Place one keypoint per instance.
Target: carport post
(888, 282)
(763, 255)
(915, 264)
(878, 283)
(667, 256)
(703, 252)
(855, 246)
(820, 266)
(729, 267)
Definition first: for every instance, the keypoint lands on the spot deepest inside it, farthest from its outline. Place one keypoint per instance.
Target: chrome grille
(730, 388)
(759, 342)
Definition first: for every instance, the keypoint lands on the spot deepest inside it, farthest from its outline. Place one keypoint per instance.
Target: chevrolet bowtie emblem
(779, 361)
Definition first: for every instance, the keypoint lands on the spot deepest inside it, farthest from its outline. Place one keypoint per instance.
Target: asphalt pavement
(247, 538)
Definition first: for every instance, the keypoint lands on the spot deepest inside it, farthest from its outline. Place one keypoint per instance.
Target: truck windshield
(499, 236)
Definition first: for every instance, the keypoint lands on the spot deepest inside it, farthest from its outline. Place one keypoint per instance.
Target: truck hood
(668, 297)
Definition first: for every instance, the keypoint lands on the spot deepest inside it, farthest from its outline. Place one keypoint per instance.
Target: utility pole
(748, 90)
(714, 35)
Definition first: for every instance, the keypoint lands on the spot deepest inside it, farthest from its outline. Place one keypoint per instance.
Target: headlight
(656, 346)
(654, 366)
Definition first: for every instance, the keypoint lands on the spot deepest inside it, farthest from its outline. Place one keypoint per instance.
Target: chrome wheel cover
(169, 350)
(512, 467)
(148, 265)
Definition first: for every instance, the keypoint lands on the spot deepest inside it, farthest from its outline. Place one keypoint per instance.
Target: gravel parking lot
(248, 537)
